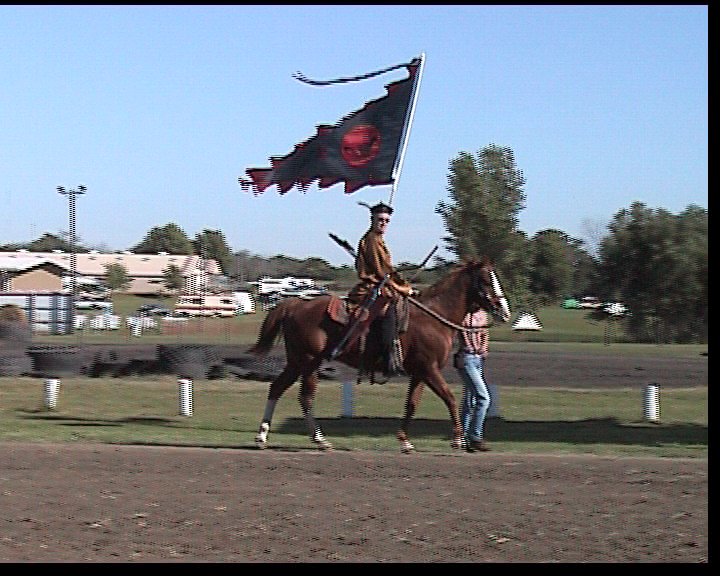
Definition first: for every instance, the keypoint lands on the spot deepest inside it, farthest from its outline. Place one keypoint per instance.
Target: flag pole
(406, 136)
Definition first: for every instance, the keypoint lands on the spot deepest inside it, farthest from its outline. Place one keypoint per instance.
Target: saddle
(360, 320)
(343, 311)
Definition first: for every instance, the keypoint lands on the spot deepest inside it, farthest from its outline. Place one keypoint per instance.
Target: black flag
(360, 150)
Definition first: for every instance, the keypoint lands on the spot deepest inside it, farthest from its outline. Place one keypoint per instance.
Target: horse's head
(485, 289)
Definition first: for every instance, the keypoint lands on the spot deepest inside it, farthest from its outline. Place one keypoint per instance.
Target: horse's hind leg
(412, 401)
(286, 379)
(308, 387)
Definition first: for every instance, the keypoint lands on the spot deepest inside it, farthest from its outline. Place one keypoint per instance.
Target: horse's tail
(270, 329)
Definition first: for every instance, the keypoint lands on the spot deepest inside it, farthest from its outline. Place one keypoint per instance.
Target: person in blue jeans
(470, 365)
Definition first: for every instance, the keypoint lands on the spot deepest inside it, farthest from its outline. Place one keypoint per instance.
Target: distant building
(145, 271)
(29, 274)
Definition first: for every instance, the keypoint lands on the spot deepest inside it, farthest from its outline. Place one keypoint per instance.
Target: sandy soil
(101, 503)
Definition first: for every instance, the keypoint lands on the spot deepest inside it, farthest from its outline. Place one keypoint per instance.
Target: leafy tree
(211, 245)
(585, 273)
(169, 238)
(173, 279)
(285, 266)
(247, 267)
(49, 242)
(560, 267)
(12, 247)
(656, 263)
(116, 277)
(481, 216)
(551, 275)
(317, 268)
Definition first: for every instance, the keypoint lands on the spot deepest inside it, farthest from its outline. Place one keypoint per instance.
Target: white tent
(527, 321)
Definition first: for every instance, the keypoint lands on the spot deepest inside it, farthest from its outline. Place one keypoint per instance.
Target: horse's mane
(450, 278)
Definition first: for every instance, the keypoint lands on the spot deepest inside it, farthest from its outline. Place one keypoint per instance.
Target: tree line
(650, 259)
(654, 261)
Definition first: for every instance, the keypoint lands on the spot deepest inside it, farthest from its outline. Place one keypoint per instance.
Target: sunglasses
(383, 220)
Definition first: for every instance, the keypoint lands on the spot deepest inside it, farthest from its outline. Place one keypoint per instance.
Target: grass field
(559, 326)
(226, 413)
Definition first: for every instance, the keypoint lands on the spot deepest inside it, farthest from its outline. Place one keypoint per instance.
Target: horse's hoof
(324, 446)
(458, 445)
(262, 435)
(407, 448)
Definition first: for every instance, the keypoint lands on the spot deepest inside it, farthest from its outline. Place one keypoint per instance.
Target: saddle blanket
(343, 311)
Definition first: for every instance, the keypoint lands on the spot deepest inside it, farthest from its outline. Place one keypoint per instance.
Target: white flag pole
(408, 124)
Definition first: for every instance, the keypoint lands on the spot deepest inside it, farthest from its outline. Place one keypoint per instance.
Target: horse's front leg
(412, 401)
(286, 379)
(308, 388)
(438, 385)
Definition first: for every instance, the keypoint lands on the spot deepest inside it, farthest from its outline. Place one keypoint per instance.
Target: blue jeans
(476, 397)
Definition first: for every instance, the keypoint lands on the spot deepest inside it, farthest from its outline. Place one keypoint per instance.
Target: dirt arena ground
(102, 503)
(99, 503)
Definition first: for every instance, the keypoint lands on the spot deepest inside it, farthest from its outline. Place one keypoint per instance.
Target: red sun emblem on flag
(360, 145)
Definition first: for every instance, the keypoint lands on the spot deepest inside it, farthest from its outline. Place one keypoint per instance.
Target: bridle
(480, 287)
(480, 294)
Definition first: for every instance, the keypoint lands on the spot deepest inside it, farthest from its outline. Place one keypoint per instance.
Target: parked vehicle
(590, 302)
(219, 305)
(305, 293)
(153, 310)
(106, 307)
(87, 288)
(615, 309)
(245, 302)
(268, 286)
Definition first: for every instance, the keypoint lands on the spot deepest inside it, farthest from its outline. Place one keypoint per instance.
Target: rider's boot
(392, 351)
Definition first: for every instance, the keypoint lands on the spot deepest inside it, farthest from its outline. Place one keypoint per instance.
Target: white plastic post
(52, 386)
(651, 402)
(185, 392)
(347, 399)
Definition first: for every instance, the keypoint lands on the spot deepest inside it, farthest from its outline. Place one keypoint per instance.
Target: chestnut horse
(434, 320)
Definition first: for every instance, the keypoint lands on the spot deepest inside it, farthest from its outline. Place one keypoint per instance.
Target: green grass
(564, 325)
(562, 329)
(226, 413)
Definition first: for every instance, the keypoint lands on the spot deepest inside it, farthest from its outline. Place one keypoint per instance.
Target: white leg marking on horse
(262, 435)
(261, 438)
(319, 439)
(406, 447)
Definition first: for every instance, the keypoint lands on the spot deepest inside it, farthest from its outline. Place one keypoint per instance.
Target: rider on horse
(373, 264)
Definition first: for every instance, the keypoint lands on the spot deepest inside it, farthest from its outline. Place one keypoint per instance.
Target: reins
(440, 319)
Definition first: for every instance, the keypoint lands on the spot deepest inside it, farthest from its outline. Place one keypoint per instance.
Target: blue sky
(159, 109)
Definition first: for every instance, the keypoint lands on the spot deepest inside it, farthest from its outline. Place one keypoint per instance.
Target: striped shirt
(475, 342)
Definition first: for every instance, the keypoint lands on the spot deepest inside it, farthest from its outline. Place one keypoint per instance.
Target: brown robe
(372, 262)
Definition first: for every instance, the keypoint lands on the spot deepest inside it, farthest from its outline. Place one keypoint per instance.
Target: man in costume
(372, 263)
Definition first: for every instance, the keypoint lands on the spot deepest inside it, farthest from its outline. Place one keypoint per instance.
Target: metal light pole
(73, 257)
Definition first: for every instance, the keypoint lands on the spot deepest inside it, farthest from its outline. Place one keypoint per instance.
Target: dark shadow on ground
(79, 421)
(66, 420)
(589, 431)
